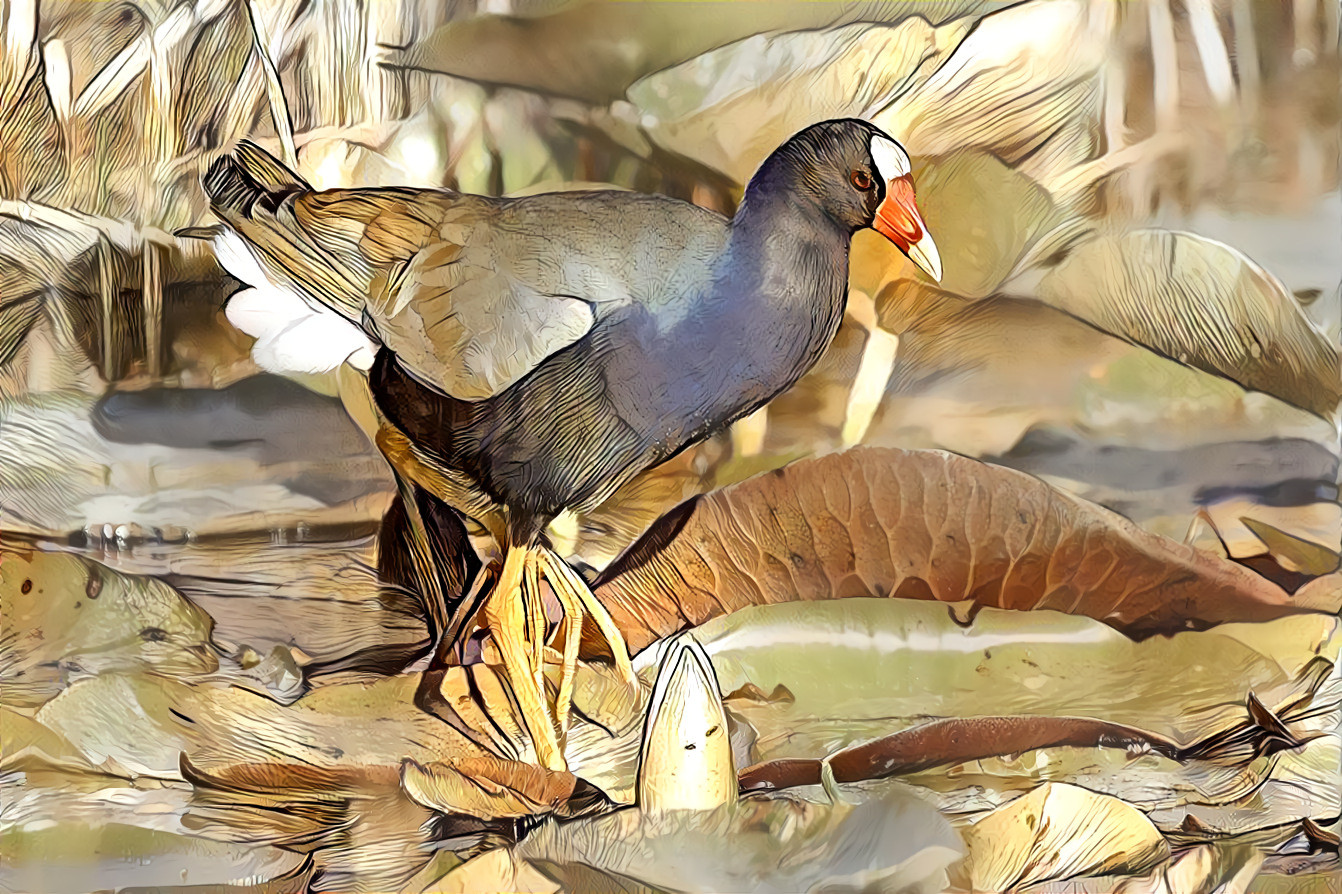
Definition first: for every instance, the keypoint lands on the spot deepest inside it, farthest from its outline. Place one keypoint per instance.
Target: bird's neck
(787, 254)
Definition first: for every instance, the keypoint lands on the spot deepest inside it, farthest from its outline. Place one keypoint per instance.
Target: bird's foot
(511, 623)
(515, 617)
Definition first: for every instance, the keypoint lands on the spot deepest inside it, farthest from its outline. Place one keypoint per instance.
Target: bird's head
(859, 177)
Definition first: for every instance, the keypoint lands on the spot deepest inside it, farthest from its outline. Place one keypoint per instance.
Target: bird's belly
(599, 412)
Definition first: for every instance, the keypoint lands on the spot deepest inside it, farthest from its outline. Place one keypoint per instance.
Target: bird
(533, 354)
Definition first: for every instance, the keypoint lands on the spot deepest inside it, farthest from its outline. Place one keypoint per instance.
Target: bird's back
(559, 310)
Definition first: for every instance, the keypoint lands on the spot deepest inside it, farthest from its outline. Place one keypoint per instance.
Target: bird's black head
(857, 176)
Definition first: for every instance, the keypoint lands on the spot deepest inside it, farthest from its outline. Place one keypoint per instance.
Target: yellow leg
(561, 576)
(572, 640)
(505, 615)
(536, 624)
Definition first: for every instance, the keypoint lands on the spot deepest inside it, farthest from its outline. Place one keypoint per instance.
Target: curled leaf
(1203, 304)
(686, 758)
(1294, 553)
(964, 740)
(1056, 832)
(493, 788)
(952, 741)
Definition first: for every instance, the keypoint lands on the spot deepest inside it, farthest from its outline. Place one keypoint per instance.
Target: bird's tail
(253, 193)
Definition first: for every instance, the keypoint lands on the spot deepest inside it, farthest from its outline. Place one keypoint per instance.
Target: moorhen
(538, 352)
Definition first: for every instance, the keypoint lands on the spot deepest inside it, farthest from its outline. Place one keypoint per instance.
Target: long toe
(506, 620)
(562, 576)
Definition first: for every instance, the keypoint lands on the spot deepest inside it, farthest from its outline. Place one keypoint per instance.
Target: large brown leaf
(922, 525)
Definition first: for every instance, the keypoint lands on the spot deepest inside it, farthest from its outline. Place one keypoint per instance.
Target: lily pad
(145, 722)
(67, 614)
(897, 843)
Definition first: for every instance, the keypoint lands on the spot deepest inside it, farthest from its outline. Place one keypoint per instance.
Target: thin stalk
(107, 292)
(1246, 56)
(1303, 15)
(1165, 61)
(748, 434)
(1211, 46)
(152, 298)
(279, 108)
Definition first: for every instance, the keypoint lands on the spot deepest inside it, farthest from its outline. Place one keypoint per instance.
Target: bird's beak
(898, 220)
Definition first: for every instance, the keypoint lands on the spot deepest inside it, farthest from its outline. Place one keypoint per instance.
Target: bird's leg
(505, 615)
(572, 640)
(453, 643)
(536, 622)
(562, 577)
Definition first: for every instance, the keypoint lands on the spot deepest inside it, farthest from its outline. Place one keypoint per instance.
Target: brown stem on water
(953, 741)
(959, 740)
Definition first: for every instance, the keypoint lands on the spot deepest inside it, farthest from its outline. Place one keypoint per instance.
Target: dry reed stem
(279, 108)
(1246, 55)
(1212, 50)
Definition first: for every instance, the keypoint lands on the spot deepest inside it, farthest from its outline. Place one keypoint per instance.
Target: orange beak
(898, 220)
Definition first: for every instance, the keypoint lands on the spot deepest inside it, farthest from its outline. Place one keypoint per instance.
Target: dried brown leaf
(952, 741)
(1294, 553)
(281, 779)
(961, 740)
(495, 788)
(33, 161)
(924, 525)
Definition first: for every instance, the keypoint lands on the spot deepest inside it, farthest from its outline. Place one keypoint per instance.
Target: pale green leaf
(1203, 304)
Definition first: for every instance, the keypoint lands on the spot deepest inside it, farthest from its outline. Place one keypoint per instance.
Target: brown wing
(470, 293)
(442, 296)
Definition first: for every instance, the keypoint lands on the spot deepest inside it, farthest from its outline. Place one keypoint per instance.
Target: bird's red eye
(860, 179)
